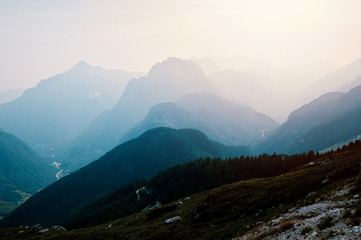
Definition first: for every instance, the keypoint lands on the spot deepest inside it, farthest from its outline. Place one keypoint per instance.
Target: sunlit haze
(42, 38)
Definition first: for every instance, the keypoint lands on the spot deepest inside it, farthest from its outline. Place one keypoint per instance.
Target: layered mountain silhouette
(9, 95)
(221, 120)
(59, 108)
(249, 88)
(343, 79)
(331, 119)
(166, 81)
(155, 150)
(22, 172)
(260, 85)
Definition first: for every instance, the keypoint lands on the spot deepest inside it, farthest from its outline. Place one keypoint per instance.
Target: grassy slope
(229, 211)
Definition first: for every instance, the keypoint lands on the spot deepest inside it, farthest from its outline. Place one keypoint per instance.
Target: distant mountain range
(155, 150)
(22, 172)
(59, 108)
(166, 81)
(342, 79)
(220, 119)
(331, 119)
(9, 95)
(134, 127)
(260, 85)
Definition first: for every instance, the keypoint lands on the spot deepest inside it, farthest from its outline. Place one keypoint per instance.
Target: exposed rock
(321, 220)
(325, 162)
(44, 230)
(325, 181)
(36, 228)
(58, 228)
(173, 219)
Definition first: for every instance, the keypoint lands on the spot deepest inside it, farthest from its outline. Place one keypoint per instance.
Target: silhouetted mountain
(339, 80)
(216, 64)
(166, 81)
(221, 120)
(349, 85)
(331, 119)
(142, 157)
(249, 88)
(59, 108)
(9, 95)
(260, 85)
(22, 172)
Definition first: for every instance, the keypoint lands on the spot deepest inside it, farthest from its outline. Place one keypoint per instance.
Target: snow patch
(95, 94)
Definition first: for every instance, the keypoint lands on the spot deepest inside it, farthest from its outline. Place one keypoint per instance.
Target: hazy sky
(41, 38)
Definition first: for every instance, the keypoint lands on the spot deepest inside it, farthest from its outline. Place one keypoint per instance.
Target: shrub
(306, 230)
(325, 223)
(286, 225)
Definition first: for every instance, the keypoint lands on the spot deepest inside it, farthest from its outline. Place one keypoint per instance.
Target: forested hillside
(183, 180)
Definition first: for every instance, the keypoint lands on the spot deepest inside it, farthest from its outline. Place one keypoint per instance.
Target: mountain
(331, 119)
(155, 150)
(212, 65)
(180, 181)
(318, 199)
(59, 108)
(339, 80)
(260, 85)
(9, 95)
(166, 81)
(349, 85)
(22, 172)
(220, 119)
(249, 88)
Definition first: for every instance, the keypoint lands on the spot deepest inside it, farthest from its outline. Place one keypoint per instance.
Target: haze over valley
(206, 119)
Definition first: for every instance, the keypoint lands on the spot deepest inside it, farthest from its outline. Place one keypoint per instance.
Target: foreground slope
(22, 172)
(331, 119)
(142, 157)
(57, 109)
(221, 120)
(319, 200)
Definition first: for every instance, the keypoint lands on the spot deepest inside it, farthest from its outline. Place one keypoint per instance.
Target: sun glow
(133, 35)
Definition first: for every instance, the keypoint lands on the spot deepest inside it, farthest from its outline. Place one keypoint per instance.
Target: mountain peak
(81, 66)
(173, 64)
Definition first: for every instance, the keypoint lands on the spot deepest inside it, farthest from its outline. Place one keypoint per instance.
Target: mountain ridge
(166, 81)
(330, 119)
(142, 157)
(57, 109)
(22, 172)
(221, 120)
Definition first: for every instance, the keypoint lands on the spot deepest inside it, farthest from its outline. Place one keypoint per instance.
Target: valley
(180, 138)
(290, 204)
(162, 119)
